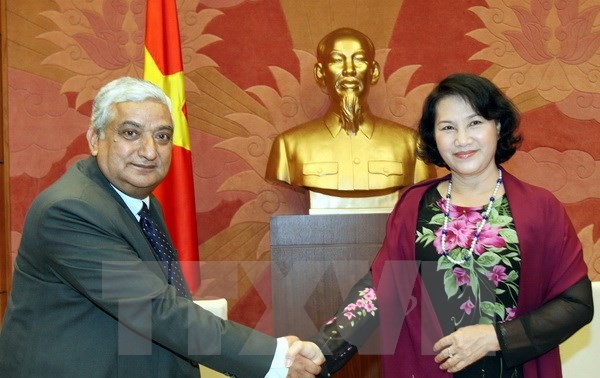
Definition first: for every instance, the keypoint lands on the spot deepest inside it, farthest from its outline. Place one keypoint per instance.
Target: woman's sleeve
(355, 320)
(543, 329)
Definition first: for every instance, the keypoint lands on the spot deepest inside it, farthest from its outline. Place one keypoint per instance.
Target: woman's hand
(465, 346)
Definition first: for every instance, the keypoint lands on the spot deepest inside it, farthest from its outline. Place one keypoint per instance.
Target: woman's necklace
(466, 257)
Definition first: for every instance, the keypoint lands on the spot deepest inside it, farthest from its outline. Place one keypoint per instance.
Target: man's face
(135, 153)
(348, 68)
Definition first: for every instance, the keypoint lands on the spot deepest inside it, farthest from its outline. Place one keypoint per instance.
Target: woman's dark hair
(486, 99)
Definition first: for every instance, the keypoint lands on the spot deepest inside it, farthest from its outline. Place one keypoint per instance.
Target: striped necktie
(164, 251)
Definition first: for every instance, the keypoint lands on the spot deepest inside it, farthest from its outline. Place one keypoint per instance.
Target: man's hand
(303, 358)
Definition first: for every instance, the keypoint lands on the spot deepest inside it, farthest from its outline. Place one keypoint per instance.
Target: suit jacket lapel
(131, 227)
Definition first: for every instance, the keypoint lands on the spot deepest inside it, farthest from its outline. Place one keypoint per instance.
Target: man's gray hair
(124, 89)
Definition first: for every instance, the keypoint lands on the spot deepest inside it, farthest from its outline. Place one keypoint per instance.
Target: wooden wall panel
(4, 208)
(4, 250)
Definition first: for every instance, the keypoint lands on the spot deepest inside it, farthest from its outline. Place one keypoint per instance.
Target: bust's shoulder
(389, 129)
(386, 123)
(316, 126)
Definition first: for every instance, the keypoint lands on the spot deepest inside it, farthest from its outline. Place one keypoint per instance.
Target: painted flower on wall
(549, 47)
(38, 111)
(101, 41)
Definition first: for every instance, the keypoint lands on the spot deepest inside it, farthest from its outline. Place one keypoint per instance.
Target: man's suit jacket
(90, 300)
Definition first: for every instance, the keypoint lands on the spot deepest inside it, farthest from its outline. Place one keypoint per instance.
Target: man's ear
(375, 71)
(92, 138)
(319, 75)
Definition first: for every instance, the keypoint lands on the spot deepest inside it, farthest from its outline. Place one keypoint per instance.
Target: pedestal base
(315, 260)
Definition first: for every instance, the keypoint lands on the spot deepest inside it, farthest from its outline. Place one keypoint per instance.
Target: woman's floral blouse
(484, 289)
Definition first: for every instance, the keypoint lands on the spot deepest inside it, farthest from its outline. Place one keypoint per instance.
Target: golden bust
(349, 152)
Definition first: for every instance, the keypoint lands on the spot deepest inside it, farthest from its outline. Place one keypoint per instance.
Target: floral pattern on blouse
(363, 305)
(485, 288)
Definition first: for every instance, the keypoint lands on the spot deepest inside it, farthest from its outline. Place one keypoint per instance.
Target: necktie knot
(163, 250)
(144, 212)
(146, 221)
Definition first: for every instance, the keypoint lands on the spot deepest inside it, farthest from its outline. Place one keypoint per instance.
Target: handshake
(303, 358)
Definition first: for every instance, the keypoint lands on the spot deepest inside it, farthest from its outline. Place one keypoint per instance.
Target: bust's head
(346, 68)
(346, 62)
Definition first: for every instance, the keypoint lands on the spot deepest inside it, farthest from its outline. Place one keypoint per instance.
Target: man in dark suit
(90, 297)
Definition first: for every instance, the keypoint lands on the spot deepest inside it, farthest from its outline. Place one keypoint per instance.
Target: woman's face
(466, 141)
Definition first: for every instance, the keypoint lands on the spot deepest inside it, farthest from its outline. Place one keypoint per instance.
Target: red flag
(163, 66)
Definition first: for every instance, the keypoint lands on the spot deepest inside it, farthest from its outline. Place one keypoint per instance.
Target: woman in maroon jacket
(480, 274)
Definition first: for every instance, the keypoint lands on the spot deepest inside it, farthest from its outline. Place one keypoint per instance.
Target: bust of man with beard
(349, 159)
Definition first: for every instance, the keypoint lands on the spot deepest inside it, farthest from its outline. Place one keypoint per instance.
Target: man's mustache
(348, 81)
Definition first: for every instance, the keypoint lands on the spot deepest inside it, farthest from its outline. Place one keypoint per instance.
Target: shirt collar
(133, 204)
(332, 122)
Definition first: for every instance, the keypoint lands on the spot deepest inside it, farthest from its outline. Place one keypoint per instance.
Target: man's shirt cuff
(278, 369)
